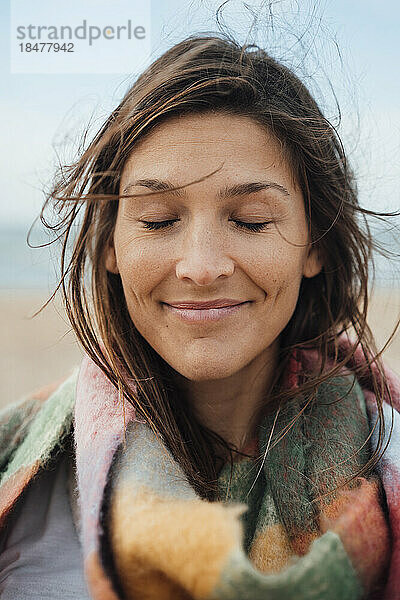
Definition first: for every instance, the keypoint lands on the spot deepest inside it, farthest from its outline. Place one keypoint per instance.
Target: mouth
(198, 314)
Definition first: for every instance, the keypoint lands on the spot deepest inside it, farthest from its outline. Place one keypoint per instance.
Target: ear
(110, 257)
(313, 264)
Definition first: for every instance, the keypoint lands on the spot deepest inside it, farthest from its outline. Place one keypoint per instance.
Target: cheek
(141, 271)
(277, 269)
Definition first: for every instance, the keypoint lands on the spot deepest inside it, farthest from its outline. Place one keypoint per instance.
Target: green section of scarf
(313, 457)
(324, 445)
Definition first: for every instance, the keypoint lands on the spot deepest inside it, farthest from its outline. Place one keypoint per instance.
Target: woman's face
(239, 236)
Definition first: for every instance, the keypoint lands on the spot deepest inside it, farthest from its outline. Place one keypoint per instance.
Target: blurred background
(344, 51)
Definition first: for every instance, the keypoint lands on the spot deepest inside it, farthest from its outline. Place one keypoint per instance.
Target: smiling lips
(219, 303)
(211, 310)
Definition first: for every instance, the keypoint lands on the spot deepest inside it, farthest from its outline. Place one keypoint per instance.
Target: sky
(354, 45)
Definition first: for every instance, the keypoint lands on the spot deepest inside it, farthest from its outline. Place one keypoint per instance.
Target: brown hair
(200, 74)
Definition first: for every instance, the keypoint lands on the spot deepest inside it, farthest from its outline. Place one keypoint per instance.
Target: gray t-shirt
(40, 553)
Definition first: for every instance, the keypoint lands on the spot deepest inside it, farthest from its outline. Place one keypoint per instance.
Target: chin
(205, 369)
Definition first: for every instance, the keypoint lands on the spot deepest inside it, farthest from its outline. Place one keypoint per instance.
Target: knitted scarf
(281, 528)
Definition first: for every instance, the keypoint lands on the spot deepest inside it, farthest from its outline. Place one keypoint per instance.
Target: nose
(203, 258)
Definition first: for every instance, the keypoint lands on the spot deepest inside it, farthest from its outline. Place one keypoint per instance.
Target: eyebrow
(238, 189)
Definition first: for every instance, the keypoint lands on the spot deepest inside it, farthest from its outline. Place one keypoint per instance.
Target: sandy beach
(41, 350)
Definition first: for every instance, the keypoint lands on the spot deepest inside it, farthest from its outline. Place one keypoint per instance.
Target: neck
(229, 406)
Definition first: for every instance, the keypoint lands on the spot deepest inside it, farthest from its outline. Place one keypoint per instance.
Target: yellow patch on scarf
(170, 549)
(271, 551)
(302, 541)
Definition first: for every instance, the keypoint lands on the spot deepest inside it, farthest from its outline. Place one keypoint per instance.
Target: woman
(229, 422)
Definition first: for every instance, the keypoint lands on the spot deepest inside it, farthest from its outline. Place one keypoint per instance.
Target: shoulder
(343, 387)
(338, 408)
(332, 387)
(362, 379)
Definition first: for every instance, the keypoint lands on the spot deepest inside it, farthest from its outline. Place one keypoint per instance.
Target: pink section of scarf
(99, 430)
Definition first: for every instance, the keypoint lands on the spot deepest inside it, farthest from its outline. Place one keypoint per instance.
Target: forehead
(188, 145)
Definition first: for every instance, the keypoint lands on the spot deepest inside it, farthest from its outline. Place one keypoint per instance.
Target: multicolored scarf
(281, 528)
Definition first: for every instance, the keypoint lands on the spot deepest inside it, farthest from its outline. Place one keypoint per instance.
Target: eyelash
(154, 225)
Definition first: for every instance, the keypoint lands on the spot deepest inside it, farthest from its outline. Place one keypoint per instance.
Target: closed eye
(154, 225)
(158, 224)
(252, 226)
